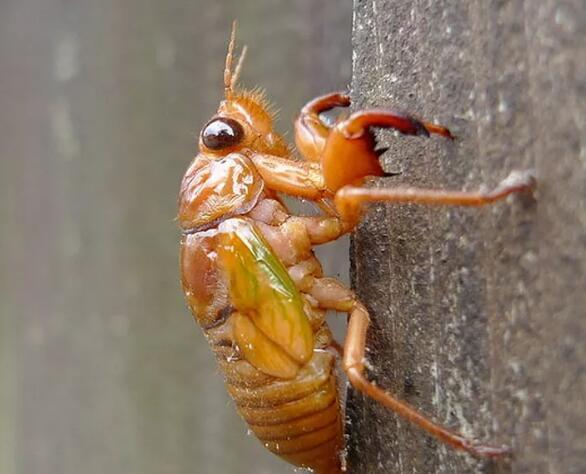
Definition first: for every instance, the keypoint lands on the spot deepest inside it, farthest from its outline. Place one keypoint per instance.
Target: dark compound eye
(220, 133)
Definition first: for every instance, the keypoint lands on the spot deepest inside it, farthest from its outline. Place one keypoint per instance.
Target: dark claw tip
(380, 151)
(391, 173)
(420, 129)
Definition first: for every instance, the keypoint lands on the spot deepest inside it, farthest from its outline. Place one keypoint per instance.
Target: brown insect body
(297, 418)
(253, 283)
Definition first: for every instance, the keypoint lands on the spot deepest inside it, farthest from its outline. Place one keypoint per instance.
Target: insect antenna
(236, 73)
(228, 66)
(231, 76)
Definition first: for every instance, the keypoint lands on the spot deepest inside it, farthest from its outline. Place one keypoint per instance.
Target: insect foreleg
(296, 178)
(358, 124)
(311, 132)
(324, 103)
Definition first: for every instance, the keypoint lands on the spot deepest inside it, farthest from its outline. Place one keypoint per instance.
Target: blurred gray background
(102, 369)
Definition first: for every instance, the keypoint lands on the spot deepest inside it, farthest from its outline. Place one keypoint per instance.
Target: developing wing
(270, 325)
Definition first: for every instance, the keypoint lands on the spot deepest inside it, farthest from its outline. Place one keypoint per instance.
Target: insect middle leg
(331, 294)
(349, 200)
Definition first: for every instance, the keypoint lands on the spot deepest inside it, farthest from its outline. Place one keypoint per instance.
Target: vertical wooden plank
(478, 314)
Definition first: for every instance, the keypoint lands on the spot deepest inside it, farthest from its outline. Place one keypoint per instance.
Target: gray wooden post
(479, 315)
(102, 369)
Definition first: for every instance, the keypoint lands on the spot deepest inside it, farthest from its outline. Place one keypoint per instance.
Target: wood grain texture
(479, 315)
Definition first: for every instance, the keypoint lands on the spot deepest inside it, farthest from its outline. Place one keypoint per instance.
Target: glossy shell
(214, 189)
(268, 340)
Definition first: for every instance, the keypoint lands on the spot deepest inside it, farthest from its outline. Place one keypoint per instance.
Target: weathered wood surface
(479, 315)
(102, 369)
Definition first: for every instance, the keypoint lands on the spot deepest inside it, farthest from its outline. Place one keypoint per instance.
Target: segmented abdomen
(298, 419)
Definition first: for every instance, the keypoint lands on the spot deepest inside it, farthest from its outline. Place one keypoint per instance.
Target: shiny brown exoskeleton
(253, 283)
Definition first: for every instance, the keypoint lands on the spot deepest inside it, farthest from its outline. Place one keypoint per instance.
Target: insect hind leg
(332, 294)
(353, 364)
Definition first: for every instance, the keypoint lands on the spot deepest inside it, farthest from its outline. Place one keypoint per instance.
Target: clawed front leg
(296, 178)
(348, 151)
(358, 124)
(311, 133)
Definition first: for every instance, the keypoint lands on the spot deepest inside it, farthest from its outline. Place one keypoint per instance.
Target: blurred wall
(101, 367)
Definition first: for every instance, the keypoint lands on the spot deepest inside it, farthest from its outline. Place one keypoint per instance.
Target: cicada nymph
(251, 278)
